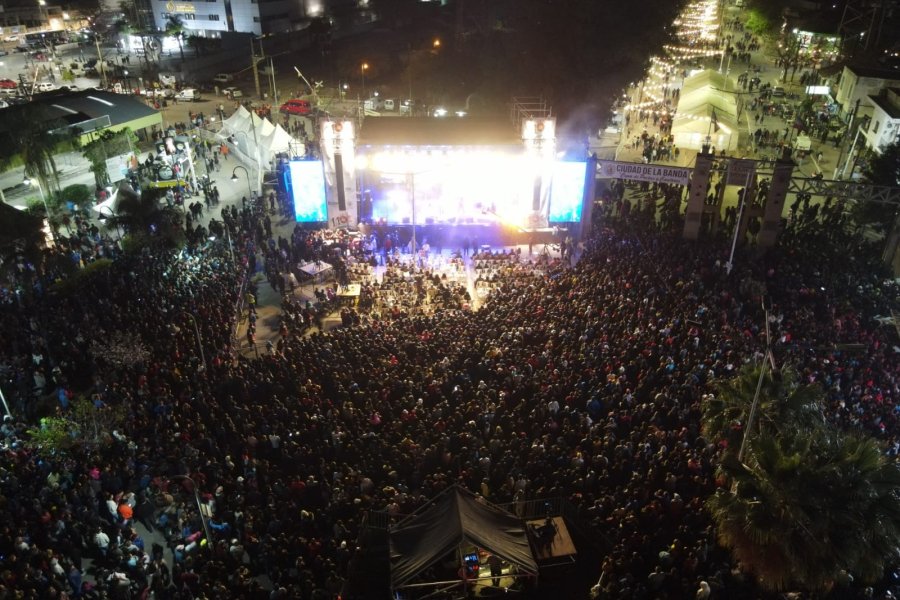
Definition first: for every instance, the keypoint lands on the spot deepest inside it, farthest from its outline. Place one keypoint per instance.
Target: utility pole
(255, 62)
(273, 90)
(100, 64)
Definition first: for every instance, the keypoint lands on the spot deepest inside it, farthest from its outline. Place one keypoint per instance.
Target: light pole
(256, 156)
(200, 509)
(27, 181)
(197, 334)
(234, 178)
(362, 70)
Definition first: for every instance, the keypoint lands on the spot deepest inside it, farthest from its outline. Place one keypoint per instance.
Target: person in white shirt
(102, 541)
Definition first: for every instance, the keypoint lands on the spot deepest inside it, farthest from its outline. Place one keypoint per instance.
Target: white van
(223, 78)
(390, 105)
(188, 95)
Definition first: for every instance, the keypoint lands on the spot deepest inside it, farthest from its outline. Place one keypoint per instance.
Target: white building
(884, 127)
(858, 84)
(209, 18)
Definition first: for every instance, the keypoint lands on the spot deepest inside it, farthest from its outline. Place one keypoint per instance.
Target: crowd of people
(580, 382)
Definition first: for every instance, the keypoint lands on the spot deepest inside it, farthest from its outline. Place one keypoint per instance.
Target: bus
(40, 39)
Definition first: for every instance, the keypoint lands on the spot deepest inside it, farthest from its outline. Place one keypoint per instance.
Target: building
(91, 111)
(209, 18)
(884, 126)
(21, 16)
(858, 84)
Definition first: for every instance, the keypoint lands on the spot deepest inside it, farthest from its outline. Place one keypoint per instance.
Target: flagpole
(737, 226)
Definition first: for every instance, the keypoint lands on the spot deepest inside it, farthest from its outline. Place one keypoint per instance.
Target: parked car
(188, 95)
(223, 78)
(778, 92)
(296, 107)
(11, 38)
(8, 84)
(46, 86)
(76, 68)
(233, 92)
(164, 93)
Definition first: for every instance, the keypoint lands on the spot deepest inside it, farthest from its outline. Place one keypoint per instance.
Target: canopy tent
(256, 138)
(706, 107)
(708, 78)
(110, 206)
(454, 519)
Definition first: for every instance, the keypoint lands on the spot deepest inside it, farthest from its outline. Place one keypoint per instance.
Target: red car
(296, 107)
(8, 84)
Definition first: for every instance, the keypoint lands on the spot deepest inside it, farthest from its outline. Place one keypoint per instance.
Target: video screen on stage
(567, 191)
(305, 181)
(474, 187)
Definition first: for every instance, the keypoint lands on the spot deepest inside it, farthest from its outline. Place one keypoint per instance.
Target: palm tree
(175, 28)
(805, 506)
(35, 138)
(146, 221)
(785, 405)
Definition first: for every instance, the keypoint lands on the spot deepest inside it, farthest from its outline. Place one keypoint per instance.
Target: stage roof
(438, 131)
(454, 518)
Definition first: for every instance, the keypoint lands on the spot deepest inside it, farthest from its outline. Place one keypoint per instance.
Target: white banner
(611, 169)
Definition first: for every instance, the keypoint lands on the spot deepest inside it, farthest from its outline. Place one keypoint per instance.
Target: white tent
(254, 137)
(110, 206)
(707, 106)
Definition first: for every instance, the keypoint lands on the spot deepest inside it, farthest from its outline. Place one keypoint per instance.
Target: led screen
(567, 192)
(306, 183)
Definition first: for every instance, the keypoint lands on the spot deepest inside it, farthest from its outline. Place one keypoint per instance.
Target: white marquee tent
(256, 138)
(703, 96)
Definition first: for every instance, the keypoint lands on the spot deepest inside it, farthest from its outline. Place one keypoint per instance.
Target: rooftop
(438, 131)
(82, 106)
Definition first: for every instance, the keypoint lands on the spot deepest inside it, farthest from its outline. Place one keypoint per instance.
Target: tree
(807, 500)
(107, 145)
(881, 169)
(785, 406)
(804, 507)
(148, 224)
(175, 28)
(84, 427)
(35, 138)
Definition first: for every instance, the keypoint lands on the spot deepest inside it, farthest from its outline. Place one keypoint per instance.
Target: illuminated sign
(180, 7)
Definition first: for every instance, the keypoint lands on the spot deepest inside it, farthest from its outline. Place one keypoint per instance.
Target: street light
(199, 508)
(27, 181)
(234, 178)
(362, 69)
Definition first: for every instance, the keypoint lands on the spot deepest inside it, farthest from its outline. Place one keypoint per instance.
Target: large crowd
(579, 382)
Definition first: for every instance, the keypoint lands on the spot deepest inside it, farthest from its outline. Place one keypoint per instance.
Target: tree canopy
(807, 501)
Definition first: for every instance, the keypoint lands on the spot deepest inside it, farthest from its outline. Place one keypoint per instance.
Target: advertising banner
(611, 169)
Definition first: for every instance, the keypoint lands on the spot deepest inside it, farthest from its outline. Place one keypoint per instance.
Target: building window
(875, 128)
(213, 18)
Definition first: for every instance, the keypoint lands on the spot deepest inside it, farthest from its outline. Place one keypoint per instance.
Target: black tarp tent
(456, 518)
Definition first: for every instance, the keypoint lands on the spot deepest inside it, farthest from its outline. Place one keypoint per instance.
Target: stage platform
(555, 551)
